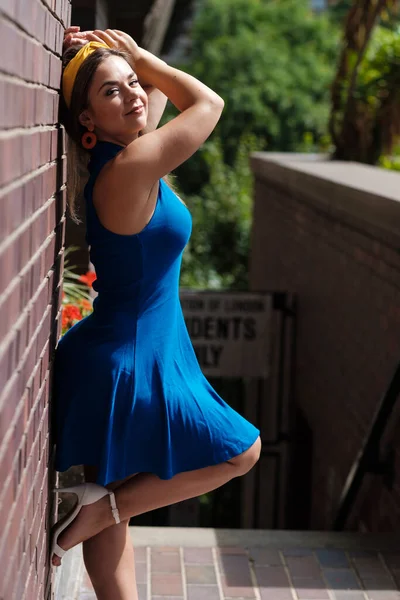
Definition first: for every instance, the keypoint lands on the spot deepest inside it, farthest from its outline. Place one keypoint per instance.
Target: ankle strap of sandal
(114, 508)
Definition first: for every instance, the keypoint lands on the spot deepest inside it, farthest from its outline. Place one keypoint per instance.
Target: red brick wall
(32, 203)
(322, 232)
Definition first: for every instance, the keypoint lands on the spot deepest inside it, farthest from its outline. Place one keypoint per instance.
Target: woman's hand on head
(112, 37)
(74, 37)
(117, 39)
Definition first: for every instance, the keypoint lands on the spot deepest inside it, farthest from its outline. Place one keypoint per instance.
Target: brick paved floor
(290, 571)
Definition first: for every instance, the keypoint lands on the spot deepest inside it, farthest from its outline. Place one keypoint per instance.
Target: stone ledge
(360, 195)
(209, 537)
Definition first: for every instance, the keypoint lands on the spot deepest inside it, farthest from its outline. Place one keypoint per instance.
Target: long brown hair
(78, 157)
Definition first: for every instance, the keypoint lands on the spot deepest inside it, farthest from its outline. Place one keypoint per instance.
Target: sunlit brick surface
(32, 203)
(262, 573)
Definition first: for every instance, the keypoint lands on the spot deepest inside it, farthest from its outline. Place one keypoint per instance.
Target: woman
(131, 402)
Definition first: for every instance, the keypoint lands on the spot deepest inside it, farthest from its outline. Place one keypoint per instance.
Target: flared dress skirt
(129, 395)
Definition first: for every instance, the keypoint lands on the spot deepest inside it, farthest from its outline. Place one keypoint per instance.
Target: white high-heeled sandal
(87, 493)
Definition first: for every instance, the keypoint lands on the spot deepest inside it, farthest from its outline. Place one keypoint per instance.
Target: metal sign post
(248, 336)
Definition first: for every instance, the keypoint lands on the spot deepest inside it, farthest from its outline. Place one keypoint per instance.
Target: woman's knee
(246, 461)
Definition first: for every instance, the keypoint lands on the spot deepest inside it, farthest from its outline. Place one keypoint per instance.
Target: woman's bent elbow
(219, 103)
(213, 102)
(214, 107)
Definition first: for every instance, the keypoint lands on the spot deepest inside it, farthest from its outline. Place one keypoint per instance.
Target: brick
(28, 179)
(166, 584)
(383, 595)
(379, 584)
(202, 592)
(165, 562)
(230, 550)
(392, 560)
(28, 160)
(272, 593)
(332, 558)
(371, 571)
(142, 591)
(341, 579)
(352, 595)
(198, 555)
(297, 551)
(237, 588)
(271, 577)
(200, 574)
(140, 554)
(310, 588)
(141, 572)
(167, 598)
(302, 566)
(235, 567)
(346, 278)
(265, 556)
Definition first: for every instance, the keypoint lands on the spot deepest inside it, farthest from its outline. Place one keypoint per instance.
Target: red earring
(89, 140)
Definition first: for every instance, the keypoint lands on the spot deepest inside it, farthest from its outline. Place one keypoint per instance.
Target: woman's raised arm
(156, 107)
(152, 156)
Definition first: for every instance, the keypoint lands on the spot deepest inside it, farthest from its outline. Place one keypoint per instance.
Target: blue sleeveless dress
(129, 395)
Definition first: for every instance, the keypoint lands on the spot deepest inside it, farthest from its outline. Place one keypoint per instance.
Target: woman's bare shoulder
(123, 203)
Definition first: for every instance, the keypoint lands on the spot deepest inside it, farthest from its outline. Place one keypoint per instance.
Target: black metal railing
(371, 458)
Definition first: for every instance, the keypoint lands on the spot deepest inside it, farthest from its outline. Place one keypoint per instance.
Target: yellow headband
(72, 68)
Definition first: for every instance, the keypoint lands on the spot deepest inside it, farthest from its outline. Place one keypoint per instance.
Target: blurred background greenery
(293, 80)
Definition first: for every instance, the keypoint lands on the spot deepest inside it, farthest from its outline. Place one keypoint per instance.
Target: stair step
(218, 564)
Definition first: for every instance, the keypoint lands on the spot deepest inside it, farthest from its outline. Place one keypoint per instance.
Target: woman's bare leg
(109, 561)
(145, 492)
(109, 555)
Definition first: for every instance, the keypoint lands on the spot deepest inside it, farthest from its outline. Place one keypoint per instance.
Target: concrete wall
(32, 203)
(330, 232)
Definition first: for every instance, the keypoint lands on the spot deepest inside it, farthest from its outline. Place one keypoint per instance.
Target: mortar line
(389, 572)
(354, 569)
(253, 576)
(148, 556)
(286, 569)
(183, 574)
(217, 572)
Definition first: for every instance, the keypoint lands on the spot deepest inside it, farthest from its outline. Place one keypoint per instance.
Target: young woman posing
(137, 411)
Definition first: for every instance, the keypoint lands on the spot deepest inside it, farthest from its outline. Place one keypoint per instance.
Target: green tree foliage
(391, 161)
(339, 11)
(365, 116)
(217, 254)
(273, 63)
(379, 92)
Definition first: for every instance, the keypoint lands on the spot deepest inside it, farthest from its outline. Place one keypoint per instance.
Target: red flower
(85, 304)
(88, 278)
(70, 314)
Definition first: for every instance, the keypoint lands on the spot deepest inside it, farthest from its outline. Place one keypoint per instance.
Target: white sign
(230, 332)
